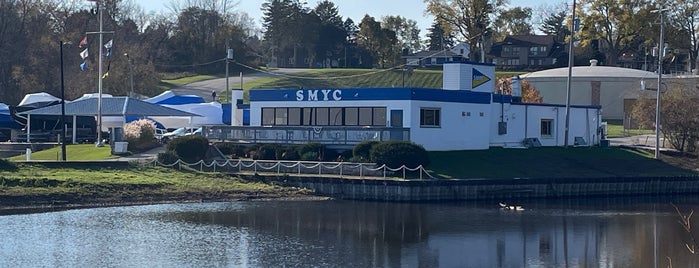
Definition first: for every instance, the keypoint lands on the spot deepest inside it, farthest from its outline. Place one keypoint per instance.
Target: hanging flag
(108, 46)
(84, 54)
(83, 66)
(107, 72)
(83, 42)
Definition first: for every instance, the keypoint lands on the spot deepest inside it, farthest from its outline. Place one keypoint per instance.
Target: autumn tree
(513, 21)
(406, 30)
(679, 120)
(469, 20)
(529, 93)
(615, 23)
(378, 41)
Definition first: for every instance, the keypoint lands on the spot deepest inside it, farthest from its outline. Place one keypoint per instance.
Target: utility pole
(131, 94)
(570, 77)
(63, 110)
(661, 53)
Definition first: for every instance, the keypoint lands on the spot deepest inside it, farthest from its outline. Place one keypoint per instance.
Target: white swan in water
(510, 207)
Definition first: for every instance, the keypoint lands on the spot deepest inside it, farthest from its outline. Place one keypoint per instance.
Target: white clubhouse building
(466, 114)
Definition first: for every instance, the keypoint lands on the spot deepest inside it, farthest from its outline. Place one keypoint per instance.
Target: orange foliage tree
(529, 93)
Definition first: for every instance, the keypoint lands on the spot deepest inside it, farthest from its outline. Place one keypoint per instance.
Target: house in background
(534, 52)
(435, 59)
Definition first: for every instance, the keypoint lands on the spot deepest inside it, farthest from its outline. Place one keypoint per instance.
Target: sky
(356, 9)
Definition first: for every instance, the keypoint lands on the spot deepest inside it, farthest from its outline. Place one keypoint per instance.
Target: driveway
(204, 88)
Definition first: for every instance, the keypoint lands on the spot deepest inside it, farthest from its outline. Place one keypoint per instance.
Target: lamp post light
(131, 94)
(63, 109)
(570, 77)
(661, 53)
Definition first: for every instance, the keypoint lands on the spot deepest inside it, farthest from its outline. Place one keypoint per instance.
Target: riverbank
(33, 186)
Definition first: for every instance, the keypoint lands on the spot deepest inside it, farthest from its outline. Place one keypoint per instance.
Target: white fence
(361, 170)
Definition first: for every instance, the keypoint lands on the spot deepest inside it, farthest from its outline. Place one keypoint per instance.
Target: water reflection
(598, 233)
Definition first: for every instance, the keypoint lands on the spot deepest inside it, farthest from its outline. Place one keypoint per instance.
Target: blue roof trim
(370, 94)
(501, 98)
(464, 61)
(558, 105)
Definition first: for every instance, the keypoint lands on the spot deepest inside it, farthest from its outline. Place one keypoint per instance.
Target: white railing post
(279, 167)
(404, 167)
(341, 165)
(361, 170)
(320, 168)
(254, 163)
(213, 163)
(299, 163)
(384, 171)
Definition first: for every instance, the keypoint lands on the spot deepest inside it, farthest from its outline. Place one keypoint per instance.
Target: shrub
(7, 165)
(362, 151)
(289, 153)
(167, 157)
(140, 134)
(268, 152)
(232, 150)
(397, 153)
(190, 148)
(315, 152)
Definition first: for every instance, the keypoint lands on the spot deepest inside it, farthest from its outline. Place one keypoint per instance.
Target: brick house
(528, 52)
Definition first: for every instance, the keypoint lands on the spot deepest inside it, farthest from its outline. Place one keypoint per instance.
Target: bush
(268, 152)
(397, 153)
(140, 135)
(289, 153)
(167, 157)
(315, 152)
(190, 148)
(232, 150)
(362, 151)
(7, 165)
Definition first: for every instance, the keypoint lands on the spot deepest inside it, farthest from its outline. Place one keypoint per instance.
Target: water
(599, 233)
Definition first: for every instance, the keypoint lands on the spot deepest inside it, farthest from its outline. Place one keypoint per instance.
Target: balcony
(331, 136)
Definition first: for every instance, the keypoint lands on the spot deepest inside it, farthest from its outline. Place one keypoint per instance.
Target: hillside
(354, 78)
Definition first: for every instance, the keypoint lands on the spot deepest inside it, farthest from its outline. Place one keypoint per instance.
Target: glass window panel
(267, 116)
(308, 117)
(336, 116)
(280, 116)
(365, 114)
(351, 116)
(322, 116)
(379, 116)
(294, 116)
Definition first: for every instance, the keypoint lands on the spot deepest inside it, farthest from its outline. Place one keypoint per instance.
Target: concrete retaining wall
(490, 189)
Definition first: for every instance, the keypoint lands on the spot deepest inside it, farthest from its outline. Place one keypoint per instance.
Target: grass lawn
(166, 84)
(552, 162)
(74, 152)
(615, 129)
(355, 78)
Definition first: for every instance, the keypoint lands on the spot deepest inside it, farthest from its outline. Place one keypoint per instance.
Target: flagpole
(99, 75)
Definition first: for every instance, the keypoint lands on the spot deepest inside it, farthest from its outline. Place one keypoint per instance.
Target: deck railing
(327, 135)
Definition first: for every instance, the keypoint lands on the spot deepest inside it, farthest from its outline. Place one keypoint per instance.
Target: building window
(429, 117)
(267, 116)
(280, 116)
(294, 116)
(323, 116)
(546, 127)
(542, 49)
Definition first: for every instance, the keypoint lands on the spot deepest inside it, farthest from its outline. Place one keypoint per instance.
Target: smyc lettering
(312, 95)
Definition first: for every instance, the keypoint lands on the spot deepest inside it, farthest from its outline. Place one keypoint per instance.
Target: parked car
(158, 134)
(173, 134)
(194, 131)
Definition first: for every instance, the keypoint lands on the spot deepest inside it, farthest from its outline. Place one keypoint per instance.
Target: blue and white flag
(83, 66)
(84, 54)
(108, 46)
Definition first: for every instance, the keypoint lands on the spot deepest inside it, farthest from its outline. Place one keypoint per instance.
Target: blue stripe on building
(369, 94)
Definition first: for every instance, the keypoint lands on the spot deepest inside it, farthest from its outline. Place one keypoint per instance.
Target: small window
(379, 117)
(429, 117)
(294, 116)
(322, 115)
(280, 116)
(351, 116)
(267, 116)
(546, 127)
(481, 114)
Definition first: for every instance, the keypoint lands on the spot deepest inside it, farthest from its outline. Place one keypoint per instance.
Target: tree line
(193, 35)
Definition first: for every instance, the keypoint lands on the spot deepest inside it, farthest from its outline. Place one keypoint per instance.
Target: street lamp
(570, 77)
(660, 79)
(63, 109)
(130, 73)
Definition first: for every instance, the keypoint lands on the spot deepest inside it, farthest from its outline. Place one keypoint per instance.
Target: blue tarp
(168, 97)
(6, 120)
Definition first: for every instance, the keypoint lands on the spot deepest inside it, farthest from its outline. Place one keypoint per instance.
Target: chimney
(593, 62)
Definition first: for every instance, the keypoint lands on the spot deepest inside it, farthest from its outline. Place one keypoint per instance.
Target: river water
(568, 233)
